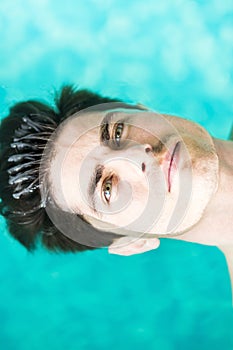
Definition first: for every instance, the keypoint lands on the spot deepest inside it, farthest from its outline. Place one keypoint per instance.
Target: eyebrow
(95, 178)
(104, 127)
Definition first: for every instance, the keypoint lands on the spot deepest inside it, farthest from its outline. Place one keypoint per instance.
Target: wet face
(128, 170)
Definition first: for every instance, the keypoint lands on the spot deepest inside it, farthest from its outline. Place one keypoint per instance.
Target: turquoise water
(176, 57)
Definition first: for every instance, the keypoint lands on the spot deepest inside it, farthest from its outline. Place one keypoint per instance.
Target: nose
(135, 152)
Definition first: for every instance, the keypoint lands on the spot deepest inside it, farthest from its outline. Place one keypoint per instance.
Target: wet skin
(135, 171)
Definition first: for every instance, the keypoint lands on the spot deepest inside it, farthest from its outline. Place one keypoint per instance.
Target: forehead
(86, 124)
(83, 128)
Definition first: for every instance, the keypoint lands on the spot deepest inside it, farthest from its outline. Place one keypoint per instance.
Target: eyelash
(105, 183)
(118, 128)
(115, 139)
(111, 180)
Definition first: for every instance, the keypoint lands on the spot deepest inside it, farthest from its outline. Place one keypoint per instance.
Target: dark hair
(23, 136)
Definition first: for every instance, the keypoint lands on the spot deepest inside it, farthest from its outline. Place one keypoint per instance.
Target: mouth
(172, 168)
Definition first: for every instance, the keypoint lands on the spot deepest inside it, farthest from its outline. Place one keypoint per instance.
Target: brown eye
(118, 133)
(107, 189)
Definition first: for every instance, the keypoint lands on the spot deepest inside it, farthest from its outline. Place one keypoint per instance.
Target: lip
(172, 159)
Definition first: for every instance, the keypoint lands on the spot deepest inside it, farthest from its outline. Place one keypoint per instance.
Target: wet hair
(23, 136)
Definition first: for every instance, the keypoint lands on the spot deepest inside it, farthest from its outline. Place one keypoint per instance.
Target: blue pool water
(176, 57)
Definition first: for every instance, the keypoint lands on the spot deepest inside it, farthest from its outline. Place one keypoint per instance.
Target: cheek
(129, 204)
(199, 153)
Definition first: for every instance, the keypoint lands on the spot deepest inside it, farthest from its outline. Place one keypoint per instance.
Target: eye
(118, 133)
(107, 189)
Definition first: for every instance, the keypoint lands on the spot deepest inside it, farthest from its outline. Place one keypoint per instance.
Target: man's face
(128, 170)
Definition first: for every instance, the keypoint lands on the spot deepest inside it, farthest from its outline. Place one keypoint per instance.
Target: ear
(128, 246)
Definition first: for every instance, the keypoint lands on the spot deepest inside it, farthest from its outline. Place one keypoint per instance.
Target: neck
(215, 227)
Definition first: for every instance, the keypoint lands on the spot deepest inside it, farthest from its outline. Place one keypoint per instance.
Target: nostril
(148, 148)
(143, 167)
